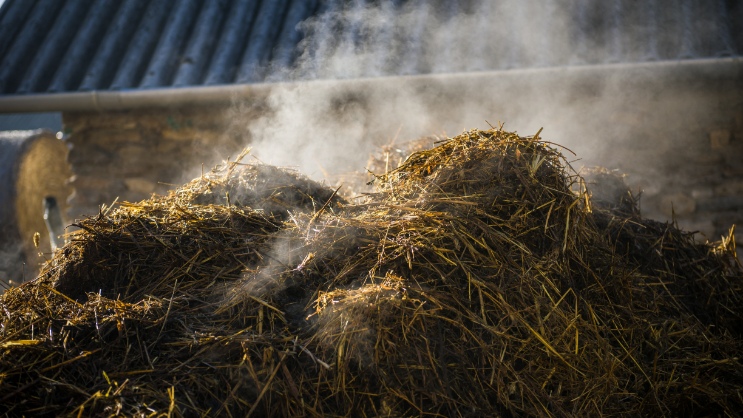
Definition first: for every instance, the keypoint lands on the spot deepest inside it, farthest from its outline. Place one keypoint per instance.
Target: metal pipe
(719, 69)
(54, 223)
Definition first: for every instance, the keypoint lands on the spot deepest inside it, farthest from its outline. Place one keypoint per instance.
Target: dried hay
(479, 280)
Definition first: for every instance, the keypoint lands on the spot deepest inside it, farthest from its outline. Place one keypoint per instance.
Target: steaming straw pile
(481, 279)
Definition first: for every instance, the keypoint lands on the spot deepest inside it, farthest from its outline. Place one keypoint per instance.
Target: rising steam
(332, 128)
(529, 64)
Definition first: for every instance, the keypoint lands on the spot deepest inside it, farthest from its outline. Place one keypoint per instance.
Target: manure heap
(479, 279)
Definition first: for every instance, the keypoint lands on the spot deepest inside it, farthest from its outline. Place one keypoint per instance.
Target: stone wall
(676, 132)
(707, 194)
(693, 175)
(129, 155)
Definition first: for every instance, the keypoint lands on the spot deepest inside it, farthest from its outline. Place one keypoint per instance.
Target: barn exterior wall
(676, 134)
(129, 155)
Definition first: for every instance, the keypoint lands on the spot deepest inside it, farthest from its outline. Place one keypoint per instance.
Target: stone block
(739, 121)
(129, 169)
(720, 204)
(702, 193)
(81, 155)
(730, 188)
(167, 146)
(134, 152)
(140, 185)
(82, 182)
(113, 137)
(190, 134)
(708, 158)
(719, 138)
(696, 173)
(79, 121)
(733, 172)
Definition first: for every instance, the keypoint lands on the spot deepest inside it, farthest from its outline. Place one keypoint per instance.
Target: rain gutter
(709, 70)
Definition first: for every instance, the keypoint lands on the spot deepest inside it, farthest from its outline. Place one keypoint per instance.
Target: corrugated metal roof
(49, 46)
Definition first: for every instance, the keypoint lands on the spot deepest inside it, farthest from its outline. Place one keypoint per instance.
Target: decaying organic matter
(479, 279)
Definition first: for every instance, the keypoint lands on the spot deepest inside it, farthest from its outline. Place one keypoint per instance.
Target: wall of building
(703, 187)
(674, 130)
(129, 155)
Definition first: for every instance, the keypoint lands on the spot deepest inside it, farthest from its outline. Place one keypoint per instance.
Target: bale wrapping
(480, 279)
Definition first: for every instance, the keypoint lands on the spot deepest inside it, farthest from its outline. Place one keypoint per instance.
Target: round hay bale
(33, 166)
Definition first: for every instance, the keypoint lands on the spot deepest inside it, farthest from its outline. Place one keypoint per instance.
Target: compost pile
(481, 278)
